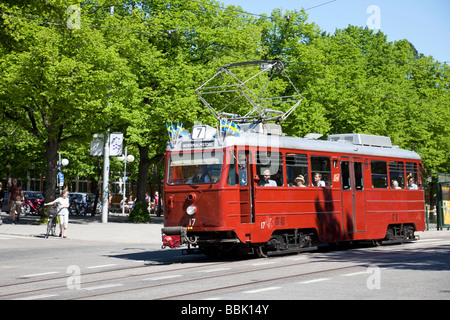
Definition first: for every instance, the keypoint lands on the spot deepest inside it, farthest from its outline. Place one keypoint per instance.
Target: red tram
(264, 192)
(251, 188)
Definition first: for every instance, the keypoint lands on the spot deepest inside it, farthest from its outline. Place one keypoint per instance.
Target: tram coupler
(173, 236)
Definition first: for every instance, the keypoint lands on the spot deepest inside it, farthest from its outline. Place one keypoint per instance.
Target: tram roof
(352, 144)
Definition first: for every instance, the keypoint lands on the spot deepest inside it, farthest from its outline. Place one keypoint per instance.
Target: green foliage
(140, 212)
(137, 69)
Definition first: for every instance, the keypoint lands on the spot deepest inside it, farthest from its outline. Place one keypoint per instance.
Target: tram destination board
(197, 144)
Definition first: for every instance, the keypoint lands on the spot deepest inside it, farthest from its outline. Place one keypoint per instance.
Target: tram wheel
(377, 243)
(260, 252)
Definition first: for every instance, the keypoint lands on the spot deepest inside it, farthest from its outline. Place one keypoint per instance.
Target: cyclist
(63, 212)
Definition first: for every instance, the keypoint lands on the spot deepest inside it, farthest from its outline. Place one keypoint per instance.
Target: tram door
(353, 203)
(246, 199)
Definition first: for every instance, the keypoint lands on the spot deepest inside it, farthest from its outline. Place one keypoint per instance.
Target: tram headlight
(191, 210)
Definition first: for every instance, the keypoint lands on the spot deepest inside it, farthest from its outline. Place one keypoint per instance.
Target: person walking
(15, 201)
(63, 212)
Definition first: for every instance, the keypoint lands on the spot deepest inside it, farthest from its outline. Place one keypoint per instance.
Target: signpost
(111, 146)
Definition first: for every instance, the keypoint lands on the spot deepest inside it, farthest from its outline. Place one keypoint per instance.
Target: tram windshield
(195, 168)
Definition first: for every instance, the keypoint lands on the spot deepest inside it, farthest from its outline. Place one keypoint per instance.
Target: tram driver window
(297, 170)
(269, 167)
(321, 171)
(195, 168)
(379, 174)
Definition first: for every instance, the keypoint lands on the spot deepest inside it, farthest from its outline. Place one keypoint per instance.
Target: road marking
(106, 286)
(39, 274)
(354, 274)
(262, 290)
(102, 266)
(297, 258)
(314, 280)
(262, 263)
(163, 277)
(215, 270)
(42, 296)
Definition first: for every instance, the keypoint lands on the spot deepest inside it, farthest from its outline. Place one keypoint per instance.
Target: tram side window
(345, 172)
(412, 176)
(269, 167)
(297, 170)
(232, 176)
(379, 174)
(241, 173)
(321, 171)
(397, 174)
(359, 177)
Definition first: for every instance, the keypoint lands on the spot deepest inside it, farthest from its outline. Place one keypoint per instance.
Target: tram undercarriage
(289, 241)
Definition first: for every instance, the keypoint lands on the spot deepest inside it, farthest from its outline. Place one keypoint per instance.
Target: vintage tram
(250, 188)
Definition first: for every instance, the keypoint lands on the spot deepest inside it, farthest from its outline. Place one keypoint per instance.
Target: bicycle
(51, 222)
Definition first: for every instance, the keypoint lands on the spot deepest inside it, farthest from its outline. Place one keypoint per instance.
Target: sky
(426, 24)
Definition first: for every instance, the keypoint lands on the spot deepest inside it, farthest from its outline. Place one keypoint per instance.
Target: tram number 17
(191, 223)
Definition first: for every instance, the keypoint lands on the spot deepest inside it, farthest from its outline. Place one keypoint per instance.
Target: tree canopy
(71, 71)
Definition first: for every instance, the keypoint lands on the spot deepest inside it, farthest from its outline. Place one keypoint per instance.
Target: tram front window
(195, 168)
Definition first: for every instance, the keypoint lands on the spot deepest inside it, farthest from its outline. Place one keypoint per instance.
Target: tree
(58, 83)
(170, 60)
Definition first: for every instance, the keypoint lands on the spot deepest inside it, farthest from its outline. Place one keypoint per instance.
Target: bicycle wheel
(50, 227)
(54, 223)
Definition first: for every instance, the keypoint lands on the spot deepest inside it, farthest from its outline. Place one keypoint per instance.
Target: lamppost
(63, 162)
(125, 159)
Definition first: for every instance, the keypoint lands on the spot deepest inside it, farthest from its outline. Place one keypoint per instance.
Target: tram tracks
(190, 279)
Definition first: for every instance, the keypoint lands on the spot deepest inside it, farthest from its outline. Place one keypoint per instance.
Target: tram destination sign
(197, 144)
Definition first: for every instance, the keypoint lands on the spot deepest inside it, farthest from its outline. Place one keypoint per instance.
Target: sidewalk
(88, 228)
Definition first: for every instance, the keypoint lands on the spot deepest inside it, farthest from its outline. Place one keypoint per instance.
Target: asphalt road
(34, 269)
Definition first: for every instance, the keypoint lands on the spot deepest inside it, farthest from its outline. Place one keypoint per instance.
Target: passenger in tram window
(318, 182)
(299, 181)
(200, 176)
(412, 185)
(394, 184)
(266, 181)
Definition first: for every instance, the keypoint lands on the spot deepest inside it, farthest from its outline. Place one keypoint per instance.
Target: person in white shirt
(63, 212)
(412, 185)
(318, 182)
(267, 182)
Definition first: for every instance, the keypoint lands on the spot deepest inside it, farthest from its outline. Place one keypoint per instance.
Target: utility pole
(105, 194)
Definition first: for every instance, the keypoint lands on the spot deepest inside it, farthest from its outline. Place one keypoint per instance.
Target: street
(36, 268)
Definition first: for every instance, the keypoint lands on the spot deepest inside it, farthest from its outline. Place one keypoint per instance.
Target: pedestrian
(2, 198)
(149, 201)
(156, 202)
(15, 201)
(63, 212)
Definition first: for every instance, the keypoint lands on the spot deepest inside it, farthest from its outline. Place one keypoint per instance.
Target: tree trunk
(51, 154)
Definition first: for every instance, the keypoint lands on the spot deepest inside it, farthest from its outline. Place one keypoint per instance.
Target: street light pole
(127, 158)
(105, 194)
(124, 180)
